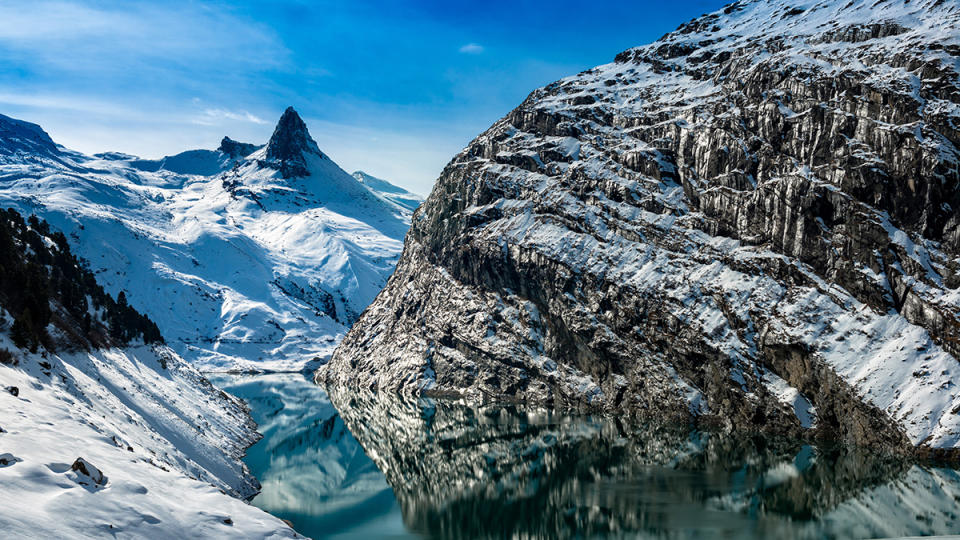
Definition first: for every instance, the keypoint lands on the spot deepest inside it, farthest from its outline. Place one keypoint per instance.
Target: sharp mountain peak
(291, 138)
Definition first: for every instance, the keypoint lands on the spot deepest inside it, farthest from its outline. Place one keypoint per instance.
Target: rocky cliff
(752, 223)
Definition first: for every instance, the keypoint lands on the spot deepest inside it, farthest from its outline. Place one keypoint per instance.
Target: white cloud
(211, 117)
(472, 48)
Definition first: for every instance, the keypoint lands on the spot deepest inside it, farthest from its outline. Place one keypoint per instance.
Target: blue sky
(393, 88)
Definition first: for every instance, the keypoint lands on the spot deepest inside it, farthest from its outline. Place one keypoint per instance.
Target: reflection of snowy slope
(242, 269)
(313, 472)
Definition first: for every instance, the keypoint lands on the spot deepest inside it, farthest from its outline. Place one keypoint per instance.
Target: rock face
(237, 149)
(752, 222)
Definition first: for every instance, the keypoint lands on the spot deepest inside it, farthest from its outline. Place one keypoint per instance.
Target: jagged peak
(289, 144)
(291, 138)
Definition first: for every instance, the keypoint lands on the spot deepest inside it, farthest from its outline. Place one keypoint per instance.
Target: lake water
(373, 466)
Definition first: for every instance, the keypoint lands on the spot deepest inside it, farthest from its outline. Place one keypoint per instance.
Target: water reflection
(494, 472)
(312, 470)
(385, 466)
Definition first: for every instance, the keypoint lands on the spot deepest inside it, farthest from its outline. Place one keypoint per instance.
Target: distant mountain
(190, 162)
(753, 223)
(247, 257)
(23, 140)
(393, 193)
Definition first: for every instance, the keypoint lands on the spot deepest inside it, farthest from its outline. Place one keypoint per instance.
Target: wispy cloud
(472, 48)
(213, 117)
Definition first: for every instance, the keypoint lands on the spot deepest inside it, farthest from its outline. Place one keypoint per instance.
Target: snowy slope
(396, 194)
(159, 445)
(244, 269)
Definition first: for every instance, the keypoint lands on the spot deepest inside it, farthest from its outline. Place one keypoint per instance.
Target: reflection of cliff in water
(462, 472)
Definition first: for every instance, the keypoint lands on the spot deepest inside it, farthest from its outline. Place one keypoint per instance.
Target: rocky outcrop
(87, 474)
(236, 149)
(750, 223)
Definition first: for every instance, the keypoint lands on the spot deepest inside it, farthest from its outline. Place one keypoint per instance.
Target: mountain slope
(263, 265)
(751, 222)
(92, 418)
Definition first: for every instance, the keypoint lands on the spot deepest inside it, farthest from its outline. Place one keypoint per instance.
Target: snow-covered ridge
(391, 192)
(240, 266)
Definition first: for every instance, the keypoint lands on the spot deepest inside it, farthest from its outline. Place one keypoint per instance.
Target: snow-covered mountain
(751, 222)
(247, 257)
(123, 442)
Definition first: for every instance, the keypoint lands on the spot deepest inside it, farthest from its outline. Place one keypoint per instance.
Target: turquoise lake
(342, 465)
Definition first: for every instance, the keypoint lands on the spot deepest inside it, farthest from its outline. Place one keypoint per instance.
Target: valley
(709, 288)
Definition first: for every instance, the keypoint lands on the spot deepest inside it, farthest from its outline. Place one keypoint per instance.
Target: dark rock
(87, 474)
(237, 149)
(13, 390)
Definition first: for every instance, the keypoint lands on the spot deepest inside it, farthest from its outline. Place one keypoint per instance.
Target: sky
(394, 88)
